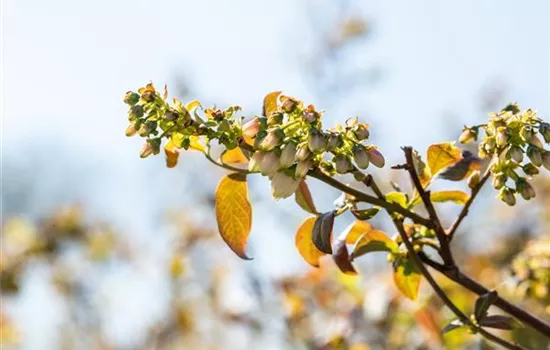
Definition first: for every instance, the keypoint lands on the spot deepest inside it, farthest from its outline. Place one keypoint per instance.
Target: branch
(425, 196)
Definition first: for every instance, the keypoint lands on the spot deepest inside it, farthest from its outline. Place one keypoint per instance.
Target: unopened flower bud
(302, 168)
(530, 169)
(376, 158)
(310, 115)
(499, 180)
(275, 119)
(334, 141)
(507, 196)
(251, 127)
(546, 159)
(525, 189)
(544, 130)
(502, 137)
(171, 115)
(272, 140)
(131, 129)
(490, 144)
(148, 96)
(316, 141)
(136, 112)
(131, 98)
(526, 133)
(269, 163)
(361, 156)
(147, 128)
(255, 161)
(535, 141)
(283, 185)
(473, 180)
(288, 154)
(302, 153)
(516, 154)
(481, 151)
(260, 136)
(342, 164)
(468, 135)
(535, 155)
(151, 146)
(361, 132)
(289, 105)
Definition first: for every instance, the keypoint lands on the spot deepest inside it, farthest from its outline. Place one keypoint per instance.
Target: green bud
(288, 154)
(473, 180)
(481, 151)
(516, 154)
(525, 189)
(490, 144)
(334, 141)
(275, 119)
(171, 115)
(376, 158)
(317, 141)
(361, 156)
(272, 140)
(131, 98)
(302, 168)
(544, 130)
(535, 141)
(342, 164)
(131, 129)
(260, 136)
(507, 196)
(499, 180)
(255, 161)
(302, 153)
(535, 156)
(151, 146)
(283, 185)
(269, 163)
(361, 131)
(546, 159)
(530, 169)
(147, 128)
(468, 135)
(136, 112)
(526, 133)
(148, 96)
(502, 137)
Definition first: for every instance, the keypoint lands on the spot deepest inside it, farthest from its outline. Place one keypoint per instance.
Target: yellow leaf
(304, 199)
(196, 144)
(397, 198)
(191, 106)
(356, 230)
(304, 242)
(233, 156)
(234, 213)
(442, 155)
(172, 154)
(373, 241)
(270, 102)
(407, 278)
(458, 197)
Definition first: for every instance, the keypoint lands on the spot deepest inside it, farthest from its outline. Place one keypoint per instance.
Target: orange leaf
(270, 103)
(442, 155)
(304, 199)
(196, 144)
(407, 278)
(356, 230)
(172, 154)
(304, 242)
(373, 241)
(233, 156)
(234, 213)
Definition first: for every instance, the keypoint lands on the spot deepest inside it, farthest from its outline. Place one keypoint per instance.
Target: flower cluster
(283, 144)
(513, 140)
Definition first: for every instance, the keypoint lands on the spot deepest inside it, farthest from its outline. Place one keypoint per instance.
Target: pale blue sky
(67, 64)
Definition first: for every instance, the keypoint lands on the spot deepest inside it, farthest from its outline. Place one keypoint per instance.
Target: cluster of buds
(531, 270)
(513, 141)
(284, 144)
(289, 141)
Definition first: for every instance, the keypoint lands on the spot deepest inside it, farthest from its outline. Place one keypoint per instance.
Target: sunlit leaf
(304, 199)
(397, 198)
(233, 156)
(191, 106)
(356, 230)
(172, 154)
(442, 155)
(196, 144)
(340, 255)
(304, 242)
(234, 213)
(458, 197)
(373, 241)
(270, 103)
(406, 277)
(322, 232)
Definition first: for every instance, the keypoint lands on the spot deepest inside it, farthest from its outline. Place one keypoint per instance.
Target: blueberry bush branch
(287, 144)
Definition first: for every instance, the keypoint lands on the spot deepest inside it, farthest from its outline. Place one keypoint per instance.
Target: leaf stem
(223, 165)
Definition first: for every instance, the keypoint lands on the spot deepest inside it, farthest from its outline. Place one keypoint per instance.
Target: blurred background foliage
(134, 268)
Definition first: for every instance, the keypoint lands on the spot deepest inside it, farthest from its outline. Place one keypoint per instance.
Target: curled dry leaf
(304, 199)
(322, 232)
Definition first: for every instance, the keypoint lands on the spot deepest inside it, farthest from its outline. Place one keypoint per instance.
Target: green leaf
(499, 322)
(322, 232)
(397, 198)
(483, 303)
(406, 277)
(270, 103)
(373, 241)
(455, 324)
(365, 214)
(304, 199)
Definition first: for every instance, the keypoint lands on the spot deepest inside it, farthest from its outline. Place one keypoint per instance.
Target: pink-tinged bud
(288, 154)
(361, 156)
(334, 141)
(507, 196)
(516, 154)
(251, 127)
(473, 180)
(502, 137)
(302, 153)
(317, 141)
(535, 141)
(546, 159)
(499, 180)
(544, 130)
(376, 158)
(342, 164)
(255, 161)
(131, 129)
(468, 135)
(289, 105)
(530, 169)
(526, 133)
(151, 146)
(525, 189)
(361, 131)
(534, 155)
(273, 139)
(283, 185)
(302, 168)
(269, 163)
(275, 119)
